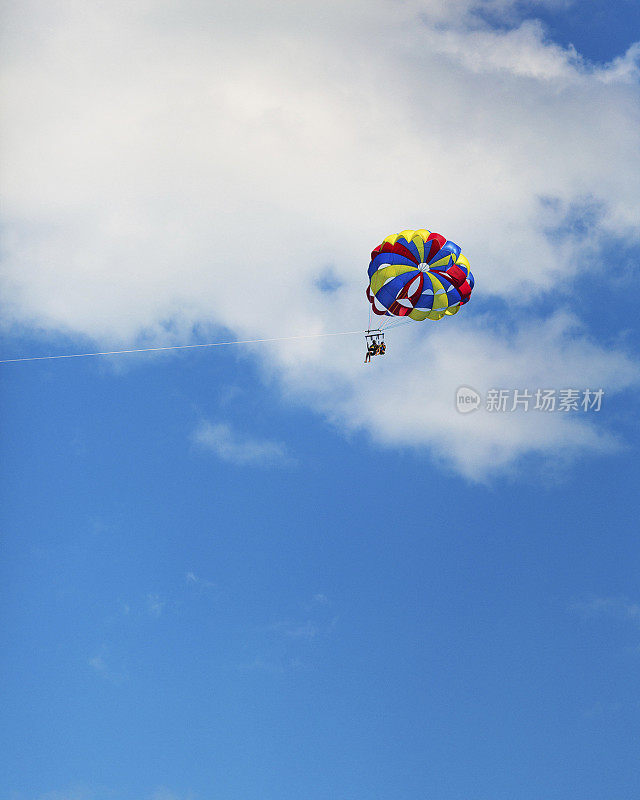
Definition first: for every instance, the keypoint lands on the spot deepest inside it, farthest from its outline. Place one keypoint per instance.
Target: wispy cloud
(199, 582)
(615, 607)
(320, 598)
(239, 448)
(77, 793)
(155, 604)
(296, 630)
(101, 664)
(293, 641)
(125, 608)
(318, 620)
(162, 793)
(259, 664)
(98, 663)
(104, 793)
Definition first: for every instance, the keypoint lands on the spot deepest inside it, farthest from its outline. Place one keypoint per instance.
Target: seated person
(372, 350)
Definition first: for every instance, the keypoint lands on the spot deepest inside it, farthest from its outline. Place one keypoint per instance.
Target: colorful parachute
(420, 275)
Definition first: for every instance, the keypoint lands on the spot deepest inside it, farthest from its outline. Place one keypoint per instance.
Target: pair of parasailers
(375, 349)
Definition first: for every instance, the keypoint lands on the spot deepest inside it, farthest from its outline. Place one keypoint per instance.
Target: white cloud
(169, 165)
(417, 408)
(520, 52)
(238, 448)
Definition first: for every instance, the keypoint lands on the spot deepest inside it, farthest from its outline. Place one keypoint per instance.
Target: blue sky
(599, 31)
(263, 572)
(355, 624)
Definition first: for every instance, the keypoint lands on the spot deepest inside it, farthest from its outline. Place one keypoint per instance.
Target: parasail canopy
(420, 275)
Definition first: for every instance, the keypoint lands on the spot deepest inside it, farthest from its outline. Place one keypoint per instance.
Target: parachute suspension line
(179, 347)
(397, 324)
(392, 322)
